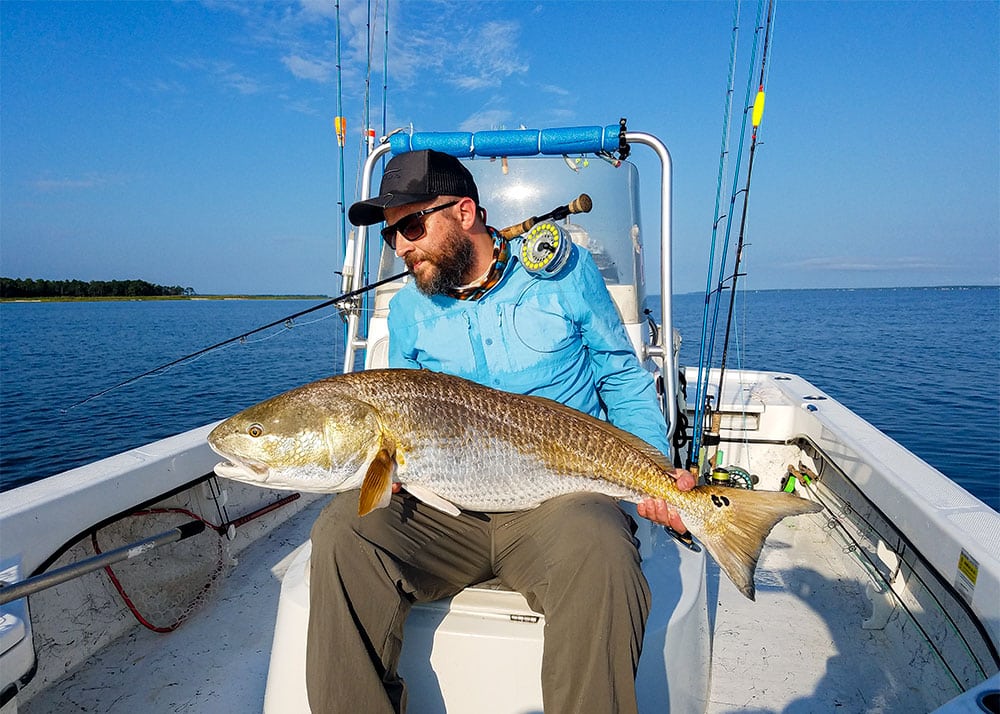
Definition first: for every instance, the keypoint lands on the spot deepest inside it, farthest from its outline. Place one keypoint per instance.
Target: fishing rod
(14, 591)
(703, 400)
(385, 69)
(340, 127)
(710, 437)
(243, 336)
(581, 204)
(704, 346)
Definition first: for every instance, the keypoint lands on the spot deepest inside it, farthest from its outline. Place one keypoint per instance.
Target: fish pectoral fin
(376, 489)
(432, 499)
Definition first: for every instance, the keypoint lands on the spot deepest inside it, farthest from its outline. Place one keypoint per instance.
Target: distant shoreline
(142, 298)
(137, 298)
(892, 287)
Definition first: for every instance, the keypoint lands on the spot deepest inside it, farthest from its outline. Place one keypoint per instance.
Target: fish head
(307, 439)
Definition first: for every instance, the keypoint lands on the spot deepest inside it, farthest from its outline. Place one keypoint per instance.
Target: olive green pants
(574, 559)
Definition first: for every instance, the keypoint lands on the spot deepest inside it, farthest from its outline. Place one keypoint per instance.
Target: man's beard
(449, 265)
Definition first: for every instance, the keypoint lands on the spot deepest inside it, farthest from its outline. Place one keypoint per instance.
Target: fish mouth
(240, 470)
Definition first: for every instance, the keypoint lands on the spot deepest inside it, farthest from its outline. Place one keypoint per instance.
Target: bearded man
(472, 310)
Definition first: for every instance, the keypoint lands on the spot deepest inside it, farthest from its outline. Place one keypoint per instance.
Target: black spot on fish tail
(735, 532)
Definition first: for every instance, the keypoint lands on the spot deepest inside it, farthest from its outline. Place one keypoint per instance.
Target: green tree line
(30, 288)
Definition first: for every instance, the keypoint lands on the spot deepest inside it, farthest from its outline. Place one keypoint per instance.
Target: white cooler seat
(481, 650)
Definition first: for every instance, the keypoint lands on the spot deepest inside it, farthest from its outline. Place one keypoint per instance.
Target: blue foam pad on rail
(506, 143)
(578, 140)
(521, 142)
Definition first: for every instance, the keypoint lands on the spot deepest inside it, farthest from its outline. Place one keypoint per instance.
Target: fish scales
(487, 453)
(456, 444)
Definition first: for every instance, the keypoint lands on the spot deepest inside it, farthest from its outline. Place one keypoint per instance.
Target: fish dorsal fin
(376, 489)
(432, 499)
(650, 452)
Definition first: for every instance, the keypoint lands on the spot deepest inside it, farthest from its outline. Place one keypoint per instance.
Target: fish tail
(734, 534)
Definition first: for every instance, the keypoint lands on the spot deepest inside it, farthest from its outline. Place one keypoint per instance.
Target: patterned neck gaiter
(477, 288)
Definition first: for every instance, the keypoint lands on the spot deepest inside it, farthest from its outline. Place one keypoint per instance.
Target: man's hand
(659, 511)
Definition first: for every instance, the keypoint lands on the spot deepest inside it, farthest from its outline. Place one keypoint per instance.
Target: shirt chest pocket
(444, 344)
(534, 335)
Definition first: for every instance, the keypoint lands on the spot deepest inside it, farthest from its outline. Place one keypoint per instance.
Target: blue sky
(192, 143)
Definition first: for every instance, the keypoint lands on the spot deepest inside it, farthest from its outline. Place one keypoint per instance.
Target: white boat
(886, 601)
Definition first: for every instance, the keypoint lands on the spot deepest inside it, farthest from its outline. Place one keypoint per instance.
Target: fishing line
(241, 337)
(366, 120)
(367, 143)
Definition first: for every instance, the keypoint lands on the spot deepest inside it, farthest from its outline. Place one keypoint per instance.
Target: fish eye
(255, 430)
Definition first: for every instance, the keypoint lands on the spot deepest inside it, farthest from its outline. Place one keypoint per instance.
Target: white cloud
(490, 51)
(319, 8)
(303, 68)
(473, 83)
(155, 85)
(225, 74)
(433, 43)
(486, 119)
(241, 83)
(299, 36)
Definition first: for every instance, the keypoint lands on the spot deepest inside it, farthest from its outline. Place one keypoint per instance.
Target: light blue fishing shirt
(559, 338)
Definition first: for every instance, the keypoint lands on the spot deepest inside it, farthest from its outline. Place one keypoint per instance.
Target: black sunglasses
(410, 226)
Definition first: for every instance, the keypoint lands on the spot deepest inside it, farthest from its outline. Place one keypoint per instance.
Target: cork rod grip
(580, 204)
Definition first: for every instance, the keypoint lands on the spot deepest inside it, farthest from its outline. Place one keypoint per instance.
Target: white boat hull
(864, 622)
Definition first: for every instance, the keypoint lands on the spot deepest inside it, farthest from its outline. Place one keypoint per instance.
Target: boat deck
(216, 661)
(801, 647)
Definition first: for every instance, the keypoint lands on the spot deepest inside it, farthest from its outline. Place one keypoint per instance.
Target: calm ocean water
(53, 355)
(921, 364)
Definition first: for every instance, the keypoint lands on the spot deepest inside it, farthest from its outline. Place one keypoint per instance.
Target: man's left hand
(659, 511)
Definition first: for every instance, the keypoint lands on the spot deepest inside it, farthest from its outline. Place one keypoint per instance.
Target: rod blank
(37, 583)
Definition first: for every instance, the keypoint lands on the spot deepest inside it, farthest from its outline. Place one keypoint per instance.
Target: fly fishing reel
(545, 249)
(732, 477)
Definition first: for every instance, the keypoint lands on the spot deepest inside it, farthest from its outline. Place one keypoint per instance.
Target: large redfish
(459, 445)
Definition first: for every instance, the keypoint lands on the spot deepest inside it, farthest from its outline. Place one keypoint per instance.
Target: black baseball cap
(412, 177)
